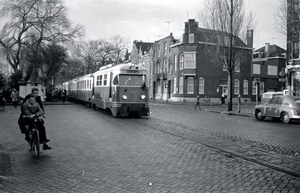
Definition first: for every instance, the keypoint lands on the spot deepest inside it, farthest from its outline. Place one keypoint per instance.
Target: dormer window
(191, 38)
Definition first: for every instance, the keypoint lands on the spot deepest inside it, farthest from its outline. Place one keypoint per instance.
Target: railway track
(279, 162)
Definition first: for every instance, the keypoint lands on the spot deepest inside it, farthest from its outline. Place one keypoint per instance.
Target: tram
(120, 88)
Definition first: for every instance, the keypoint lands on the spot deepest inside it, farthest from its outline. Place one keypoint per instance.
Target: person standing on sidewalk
(223, 100)
(14, 97)
(198, 102)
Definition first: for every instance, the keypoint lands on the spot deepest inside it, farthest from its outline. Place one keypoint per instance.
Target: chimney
(267, 49)
(250, 38)
(191, 26)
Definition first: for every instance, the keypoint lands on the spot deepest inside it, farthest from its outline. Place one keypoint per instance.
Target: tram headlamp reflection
(124, 97)
(143, 97)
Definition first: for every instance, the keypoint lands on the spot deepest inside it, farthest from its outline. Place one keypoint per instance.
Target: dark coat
(38, 100)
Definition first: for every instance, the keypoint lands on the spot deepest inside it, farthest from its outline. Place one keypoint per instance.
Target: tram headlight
(124, 97)
(143, 97)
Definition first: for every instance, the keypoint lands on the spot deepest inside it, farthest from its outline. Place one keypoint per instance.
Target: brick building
(163, 68)
(194, 69)
(142, 54)
(186, 67)
(293, 60)
(268, 62)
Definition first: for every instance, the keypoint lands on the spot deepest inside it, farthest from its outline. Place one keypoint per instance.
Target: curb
(231, 113)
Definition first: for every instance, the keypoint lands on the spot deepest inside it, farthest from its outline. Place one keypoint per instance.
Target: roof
(274, 50)
(212, 32)
(143, 46)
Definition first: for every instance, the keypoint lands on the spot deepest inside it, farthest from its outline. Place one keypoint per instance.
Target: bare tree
(120, 45)
(88, 53)
(226, 21)
(280, 17)
(34, 24)
(105, 51)
(13, 33)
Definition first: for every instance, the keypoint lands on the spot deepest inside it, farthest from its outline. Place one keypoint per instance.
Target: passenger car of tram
(121, 89)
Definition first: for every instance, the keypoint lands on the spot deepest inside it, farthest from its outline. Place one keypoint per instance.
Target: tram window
(116, 80)
(100, 82)
(136, 80)
(105, 79)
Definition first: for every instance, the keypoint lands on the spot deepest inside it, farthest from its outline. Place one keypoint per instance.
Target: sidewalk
(246, 109)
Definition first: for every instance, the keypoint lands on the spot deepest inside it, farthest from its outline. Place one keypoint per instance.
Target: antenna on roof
(168, 25)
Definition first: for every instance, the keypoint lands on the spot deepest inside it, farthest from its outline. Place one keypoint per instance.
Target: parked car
(267, 96)
(284, 108)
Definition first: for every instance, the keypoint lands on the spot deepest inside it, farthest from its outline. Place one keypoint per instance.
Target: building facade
(196, 71)
(186, 67)
(163, 68)
(292, 70)
(142, 54)
(268, 62)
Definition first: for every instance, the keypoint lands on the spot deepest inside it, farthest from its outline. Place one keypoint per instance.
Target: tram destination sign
(133, 71)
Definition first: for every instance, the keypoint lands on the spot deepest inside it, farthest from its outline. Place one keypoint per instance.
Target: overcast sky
(150, 20)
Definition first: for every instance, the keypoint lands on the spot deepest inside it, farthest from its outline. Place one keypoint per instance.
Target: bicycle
(34, 137)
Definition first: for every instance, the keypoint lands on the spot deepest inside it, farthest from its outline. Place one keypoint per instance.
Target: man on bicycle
(35, 93)
(31, 109)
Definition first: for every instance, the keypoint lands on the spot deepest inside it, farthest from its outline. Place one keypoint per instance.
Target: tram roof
(126, 66)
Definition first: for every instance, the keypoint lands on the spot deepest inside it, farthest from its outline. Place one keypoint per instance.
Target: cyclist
(35, 93)
(30, 109)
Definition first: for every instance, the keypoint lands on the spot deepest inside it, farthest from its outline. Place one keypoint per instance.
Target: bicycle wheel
(36, 143)
(30, 142)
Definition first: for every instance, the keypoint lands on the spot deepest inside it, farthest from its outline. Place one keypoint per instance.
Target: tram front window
(136, 80)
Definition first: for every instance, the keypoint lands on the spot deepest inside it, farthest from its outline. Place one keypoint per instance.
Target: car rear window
(267, 96)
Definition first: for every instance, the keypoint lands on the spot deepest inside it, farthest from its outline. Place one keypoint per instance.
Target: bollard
(239, 104)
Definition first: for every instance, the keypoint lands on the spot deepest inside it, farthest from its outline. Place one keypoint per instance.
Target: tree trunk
(231, 60)
(230, 93)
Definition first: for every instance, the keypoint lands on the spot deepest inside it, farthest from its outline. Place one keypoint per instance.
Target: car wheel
(285, 118)
(259, 116)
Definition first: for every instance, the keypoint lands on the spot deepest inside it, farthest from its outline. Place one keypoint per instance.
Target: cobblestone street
(176, 149)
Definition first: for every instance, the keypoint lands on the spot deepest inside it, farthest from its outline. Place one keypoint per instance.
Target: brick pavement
(246, 109)
(98, 153)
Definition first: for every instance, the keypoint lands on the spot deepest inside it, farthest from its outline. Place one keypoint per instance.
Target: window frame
(237, 65)
(236, 86)
(188, 61)
(201, 86)
(181, 61)
(190, 88)
(175, 62)
(180, 85)
(175, 85)
(245, 87)
(191, 38)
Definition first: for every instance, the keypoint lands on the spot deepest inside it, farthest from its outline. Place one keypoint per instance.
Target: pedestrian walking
(198, 102)
(223, 100)
(14, 97)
